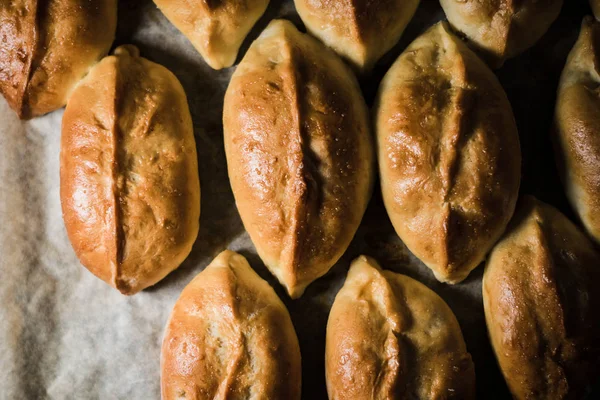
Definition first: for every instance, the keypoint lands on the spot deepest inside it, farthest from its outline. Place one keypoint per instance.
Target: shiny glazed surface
(129, 183)
(47, 46)
(299, 153)
(449, 154)
(230, 337)
(391, 337)
(577, 127)
(541, 305)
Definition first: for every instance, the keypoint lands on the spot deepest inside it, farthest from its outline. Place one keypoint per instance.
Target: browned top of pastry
(47, 46)
(449, 154)
(359, 30)
(541, 299)
(501, 29)
(390, 337)
(129, 176)
(299, 153)
(230, 337)
(577, 126)
(216, 28)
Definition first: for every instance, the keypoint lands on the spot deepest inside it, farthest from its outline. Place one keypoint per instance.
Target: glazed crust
(449, 154)
(541, 301)
(129, 183)
(216, 28)
(299, 153)
(501, 29)
(390, 337)
(48, 46)
(577, 127)
(230, 337)
(361, 31)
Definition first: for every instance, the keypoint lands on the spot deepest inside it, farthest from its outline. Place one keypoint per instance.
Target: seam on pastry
(297, 191)
(118, 228)
(37, 49)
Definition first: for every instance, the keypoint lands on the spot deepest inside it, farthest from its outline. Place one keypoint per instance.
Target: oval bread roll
(577, 127)
(129, 183)
(541, 301)
(230, 337)
(215, 28)
(46, 47)
(361, 31)
(391, 337)
(449, 154)
(501, 29)
(299, 153)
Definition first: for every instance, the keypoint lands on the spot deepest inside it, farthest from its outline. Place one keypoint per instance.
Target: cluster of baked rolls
(301, 161)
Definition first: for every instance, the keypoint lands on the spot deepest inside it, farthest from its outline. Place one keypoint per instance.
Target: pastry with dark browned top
(577, 127)
(449, 154)
(391, 337)
(47, 46)
(541, 301)
(299, 153)
(129, 183)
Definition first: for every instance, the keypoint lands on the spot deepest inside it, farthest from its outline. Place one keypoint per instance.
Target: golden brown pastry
(391, 337)
(46, 47)
(449, 154)
(359, 30)
(541, 301)
(128, 172)
(230, 337)
(216, 28)
(577, 127)
(299, 153)
(501, 29)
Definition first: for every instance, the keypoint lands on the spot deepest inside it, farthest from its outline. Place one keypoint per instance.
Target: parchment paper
(64, 334)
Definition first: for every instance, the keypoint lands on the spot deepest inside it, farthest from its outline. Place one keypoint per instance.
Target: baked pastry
(299, 153)
(215, 28)
(501, 29)
(391, 337)
(129, 183)
(361, 31)
(595, 7)
(46, 47)
(541, 302)
(230, 337)
(449, 154)
(577, 127)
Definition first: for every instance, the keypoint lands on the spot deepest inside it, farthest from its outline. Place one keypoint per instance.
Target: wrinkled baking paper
(64, 334)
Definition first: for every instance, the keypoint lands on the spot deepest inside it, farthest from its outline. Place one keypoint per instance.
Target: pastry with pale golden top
(299, 153)
(216, 28)
(47, 46)
(577, 127)
(230, 337)
(359, 30)
(449, 155)
(129, 183)
(391, 337)
(541, 302)
(501, 29)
